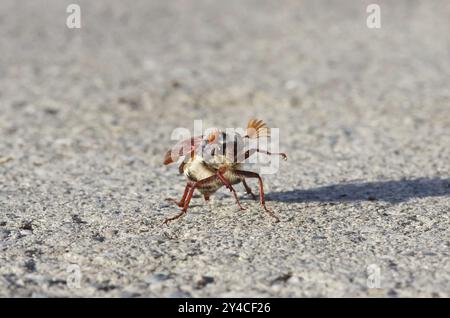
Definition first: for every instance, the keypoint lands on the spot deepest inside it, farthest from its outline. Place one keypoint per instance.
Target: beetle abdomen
(210, 187)
(196, 169)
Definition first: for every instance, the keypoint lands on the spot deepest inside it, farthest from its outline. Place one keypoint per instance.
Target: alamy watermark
(373, 20)
(74, 276)
(73, 20)
(373, 276)
(228, 146)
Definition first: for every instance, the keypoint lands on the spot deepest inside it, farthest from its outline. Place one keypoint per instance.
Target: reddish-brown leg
(250, 174)
(206, 196)
(250, 152)
(230, 187)
(282, 154)
(181, 203)
(248, 189)
(181, 167)
(189, 197)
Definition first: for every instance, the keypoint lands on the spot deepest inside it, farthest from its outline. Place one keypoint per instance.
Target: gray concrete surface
(86, 116)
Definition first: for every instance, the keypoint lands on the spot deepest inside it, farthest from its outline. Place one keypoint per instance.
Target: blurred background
(87, 114)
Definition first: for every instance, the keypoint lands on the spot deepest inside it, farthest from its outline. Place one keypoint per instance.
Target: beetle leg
(189, 197)
(181, 167)
(248, 189)
(244, 156)
(181, 203)
(230, 187)
(282, 154)
(250, 174)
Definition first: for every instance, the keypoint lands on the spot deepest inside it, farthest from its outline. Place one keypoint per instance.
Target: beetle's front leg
(247, 154)
(189, 197)
(230, 187)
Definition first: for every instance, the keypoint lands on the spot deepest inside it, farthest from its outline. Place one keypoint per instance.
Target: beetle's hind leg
(248, 189)
(250, 174)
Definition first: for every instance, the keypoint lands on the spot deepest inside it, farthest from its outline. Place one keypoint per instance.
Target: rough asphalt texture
(86, 116)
